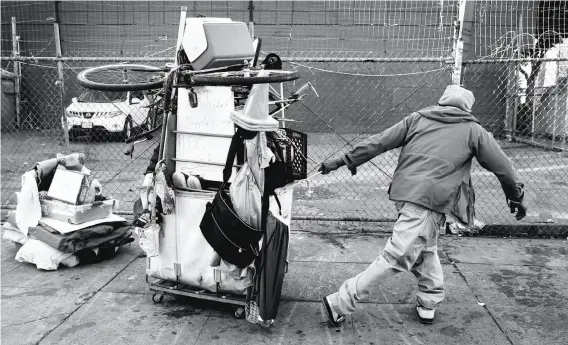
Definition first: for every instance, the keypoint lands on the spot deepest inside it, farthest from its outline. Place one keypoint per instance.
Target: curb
(525, 230)
(362, 227)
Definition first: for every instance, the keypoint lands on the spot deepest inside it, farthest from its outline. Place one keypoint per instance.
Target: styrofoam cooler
(216, 42)
(183, 245)
(204, 133)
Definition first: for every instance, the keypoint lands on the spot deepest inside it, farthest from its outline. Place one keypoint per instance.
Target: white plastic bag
(14, 235)
(246, 197)
(149, 238)
(43, 256)
(147, 185)
(149, 234)
(163, 190)
(28, 210)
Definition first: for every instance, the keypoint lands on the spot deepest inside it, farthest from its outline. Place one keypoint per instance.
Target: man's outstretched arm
(370, 148)
(491, 157)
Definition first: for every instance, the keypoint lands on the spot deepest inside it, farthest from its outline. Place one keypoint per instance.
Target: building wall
(353, 96)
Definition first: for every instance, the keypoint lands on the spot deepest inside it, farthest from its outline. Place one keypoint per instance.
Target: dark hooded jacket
(434, 166)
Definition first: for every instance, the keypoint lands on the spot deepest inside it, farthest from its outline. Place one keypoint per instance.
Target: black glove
(331, 165)
(519, 207)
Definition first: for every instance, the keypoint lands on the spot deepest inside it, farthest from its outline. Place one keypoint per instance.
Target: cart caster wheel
(158, 298)
(239, 313)
(267, 323)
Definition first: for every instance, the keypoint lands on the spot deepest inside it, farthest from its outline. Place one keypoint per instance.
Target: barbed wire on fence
(367, 75)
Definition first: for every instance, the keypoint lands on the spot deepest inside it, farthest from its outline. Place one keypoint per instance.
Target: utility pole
(17, 71)
(462, 39)
(61, 76)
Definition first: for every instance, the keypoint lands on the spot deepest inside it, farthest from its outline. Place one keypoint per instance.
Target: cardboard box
(68, 186)
(77, 214)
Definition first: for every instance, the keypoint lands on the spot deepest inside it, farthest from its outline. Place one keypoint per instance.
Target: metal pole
(61, 76)
(463, 47)
(517, 81)
(565, 93)
(458, 44)
(181, 30)
(282, 98)
(251, 19)
(533, 112)
(164, 135)
(17, 72)
(458, 54)
(554, 114)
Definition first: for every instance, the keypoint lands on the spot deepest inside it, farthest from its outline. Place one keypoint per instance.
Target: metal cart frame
(161, 287)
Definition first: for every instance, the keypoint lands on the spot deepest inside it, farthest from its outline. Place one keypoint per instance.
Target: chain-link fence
(371, 63)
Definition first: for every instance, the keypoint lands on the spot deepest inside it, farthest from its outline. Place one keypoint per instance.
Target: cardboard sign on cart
(205, 132)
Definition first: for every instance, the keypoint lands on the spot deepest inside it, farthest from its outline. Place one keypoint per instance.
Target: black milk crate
(296, 154)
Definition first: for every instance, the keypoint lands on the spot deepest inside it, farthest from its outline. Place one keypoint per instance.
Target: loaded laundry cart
(221, 196)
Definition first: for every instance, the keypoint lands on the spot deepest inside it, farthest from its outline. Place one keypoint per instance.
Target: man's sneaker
(425, 315)
(334, 318)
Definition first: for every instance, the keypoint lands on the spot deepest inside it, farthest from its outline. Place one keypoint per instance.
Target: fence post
(17, 71)
(462, 37)
(517, 67)
(61, 76)
(512, 87)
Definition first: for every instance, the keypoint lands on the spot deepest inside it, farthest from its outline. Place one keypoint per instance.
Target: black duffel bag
(234, 240)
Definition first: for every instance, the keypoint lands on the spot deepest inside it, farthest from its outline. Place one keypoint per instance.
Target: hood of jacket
(454, 106)
(457, 96)
(447, 114)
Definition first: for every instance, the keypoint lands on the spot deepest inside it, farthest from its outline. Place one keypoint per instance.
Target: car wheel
(72, 134)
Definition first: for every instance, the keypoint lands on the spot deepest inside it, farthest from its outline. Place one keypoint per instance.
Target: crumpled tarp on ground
(91, 237)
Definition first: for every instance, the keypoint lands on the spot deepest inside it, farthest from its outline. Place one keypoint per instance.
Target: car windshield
(93, 96)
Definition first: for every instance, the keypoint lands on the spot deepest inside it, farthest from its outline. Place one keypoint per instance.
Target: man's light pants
(412, 247)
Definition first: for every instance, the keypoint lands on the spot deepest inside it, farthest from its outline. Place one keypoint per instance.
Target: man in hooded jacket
(432, 179)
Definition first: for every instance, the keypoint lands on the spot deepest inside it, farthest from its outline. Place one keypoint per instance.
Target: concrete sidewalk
(499, 291)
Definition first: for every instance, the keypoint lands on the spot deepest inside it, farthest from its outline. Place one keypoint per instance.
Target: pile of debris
(62, 217)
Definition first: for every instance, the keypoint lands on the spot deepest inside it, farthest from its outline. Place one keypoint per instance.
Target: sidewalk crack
(202, 328)
(476, 297)
(26, 322)
(88, 297)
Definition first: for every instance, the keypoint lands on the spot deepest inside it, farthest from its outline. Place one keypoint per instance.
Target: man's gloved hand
(519, 207)
(331, 165)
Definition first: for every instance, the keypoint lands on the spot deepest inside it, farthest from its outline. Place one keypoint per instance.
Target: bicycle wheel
(242, 78)
(122, 77)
